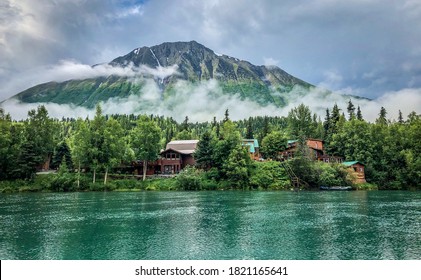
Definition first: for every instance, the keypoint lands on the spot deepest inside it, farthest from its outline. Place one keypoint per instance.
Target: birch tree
(145, 138)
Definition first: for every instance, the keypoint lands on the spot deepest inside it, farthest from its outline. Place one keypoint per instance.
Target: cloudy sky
(369, 48)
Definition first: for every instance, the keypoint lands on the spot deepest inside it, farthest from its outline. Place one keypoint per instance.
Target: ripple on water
(211, 225)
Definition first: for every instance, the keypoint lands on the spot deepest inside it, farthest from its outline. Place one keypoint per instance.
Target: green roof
(291, 141)
(252, 143)
(349, 163)
(251, 147)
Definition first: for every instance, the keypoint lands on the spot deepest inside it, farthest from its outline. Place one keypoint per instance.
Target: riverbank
(68, 183)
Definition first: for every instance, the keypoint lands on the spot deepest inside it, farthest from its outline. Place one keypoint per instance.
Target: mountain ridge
(194, 62)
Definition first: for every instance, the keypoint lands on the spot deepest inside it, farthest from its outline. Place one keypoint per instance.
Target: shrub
(269, 175)
(190, 179)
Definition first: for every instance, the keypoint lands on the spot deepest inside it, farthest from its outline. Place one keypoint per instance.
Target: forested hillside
(106, 144)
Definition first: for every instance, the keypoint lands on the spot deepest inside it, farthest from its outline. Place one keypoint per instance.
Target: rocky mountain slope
(167, 64)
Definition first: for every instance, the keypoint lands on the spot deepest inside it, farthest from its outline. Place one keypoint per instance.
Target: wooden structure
(296, 182)
(253, 148)
(314, 146)
(177, 155)
(356, 168)
(315, 151)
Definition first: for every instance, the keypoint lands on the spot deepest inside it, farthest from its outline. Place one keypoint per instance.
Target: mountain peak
(197, 62)
(194, 63)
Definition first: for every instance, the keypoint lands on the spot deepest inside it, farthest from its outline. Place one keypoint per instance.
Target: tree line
(389, 148)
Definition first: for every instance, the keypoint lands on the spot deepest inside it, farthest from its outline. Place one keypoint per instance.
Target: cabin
(176, 156)
(356, 168)
(315, 148)
(252, 147)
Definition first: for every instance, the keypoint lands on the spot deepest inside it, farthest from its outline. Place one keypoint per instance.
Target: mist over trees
(389, 149)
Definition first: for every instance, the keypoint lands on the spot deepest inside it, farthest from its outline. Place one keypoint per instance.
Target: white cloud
(203, 101)
(269, 61)
(332, 80)
(69, 69)
(136, 10)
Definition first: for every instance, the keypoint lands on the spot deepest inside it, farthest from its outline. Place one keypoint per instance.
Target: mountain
(167, 64)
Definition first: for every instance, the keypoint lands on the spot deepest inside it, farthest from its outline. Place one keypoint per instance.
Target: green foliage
(183, 135)
(318, 174)
(63, 182)
(237, 167)
(272, 144)
(390, 150)
(269, 175)
(331, 174)
(190, 179)
(62, 152)
(205, 151)
(300, 122)
(145, 139)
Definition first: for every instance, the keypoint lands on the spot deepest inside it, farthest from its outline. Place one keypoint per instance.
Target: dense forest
(84, 149)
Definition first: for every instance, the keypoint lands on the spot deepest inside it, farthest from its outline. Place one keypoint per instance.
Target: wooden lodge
(315, 149)
(357, 170)
(316, 152)
(176, 156)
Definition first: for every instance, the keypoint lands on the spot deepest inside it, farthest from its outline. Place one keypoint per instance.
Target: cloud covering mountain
(369, 48)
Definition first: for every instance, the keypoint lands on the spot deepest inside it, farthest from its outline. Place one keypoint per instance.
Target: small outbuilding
(357, 169)
(252, 147)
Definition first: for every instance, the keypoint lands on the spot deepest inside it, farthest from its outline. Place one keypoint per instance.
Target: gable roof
(182, 146)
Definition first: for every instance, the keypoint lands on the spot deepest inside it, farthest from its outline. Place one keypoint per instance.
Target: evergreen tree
(351, 110)
(230, 138)
(359, 114)
(249, 131)
(335, 115)
(326, 123)
(204, 151)
(237, 167)
(382, 117)
(265, 129)
(40, 130)
(226, 118)
(62, 152)
(185, 125)
(400, 118)
(218, 131)
(5, 144)
(214, 122)
(300, 122)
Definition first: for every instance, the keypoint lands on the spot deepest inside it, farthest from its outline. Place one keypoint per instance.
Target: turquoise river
(211, 225)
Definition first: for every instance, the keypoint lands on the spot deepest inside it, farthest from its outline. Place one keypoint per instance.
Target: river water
(211, 225)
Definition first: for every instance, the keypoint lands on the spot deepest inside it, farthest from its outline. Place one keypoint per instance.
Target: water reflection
(211, 225)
